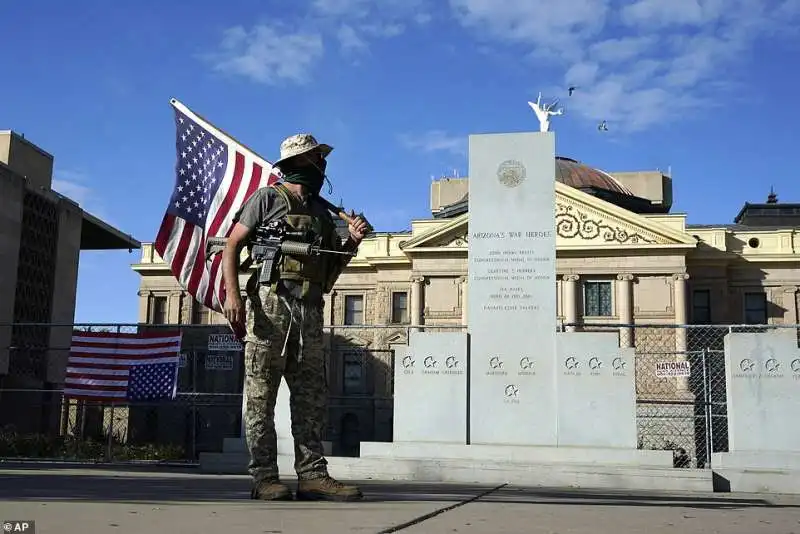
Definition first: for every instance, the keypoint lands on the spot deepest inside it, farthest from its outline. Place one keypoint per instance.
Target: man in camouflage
(284, 323)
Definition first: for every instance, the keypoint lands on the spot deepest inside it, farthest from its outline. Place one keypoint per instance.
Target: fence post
(194, 404)
(707, 408)
(110, 440)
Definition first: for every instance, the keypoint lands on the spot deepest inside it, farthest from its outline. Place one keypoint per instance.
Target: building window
(200, 314)
(755, 308)
(353, 373)
(701, 306)
(400, 308)
(353, 309)
(597, 299)
(158, 312)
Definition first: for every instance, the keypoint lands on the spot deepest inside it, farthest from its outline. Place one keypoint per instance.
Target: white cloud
(436, 141)
(72, 185)
(358, 22)
(75, 186)
(658, 13)
(621, 49)
(552, 28)
(268, 54)
(422, 18)
(355, 39)
(638, 63)
(351, 8)
(288, 51)
(349, 40)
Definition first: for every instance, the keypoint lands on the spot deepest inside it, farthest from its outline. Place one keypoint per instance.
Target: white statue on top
(544, 111)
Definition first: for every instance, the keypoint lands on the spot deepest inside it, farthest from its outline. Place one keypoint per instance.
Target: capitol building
(623, 260)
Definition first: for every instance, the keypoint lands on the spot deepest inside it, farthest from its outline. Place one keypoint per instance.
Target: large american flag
(122, 367)
(214, 175)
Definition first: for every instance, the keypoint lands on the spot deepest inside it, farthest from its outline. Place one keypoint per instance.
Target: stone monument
(543, 407)
(432, 362)
(512, 300)
(762, 382)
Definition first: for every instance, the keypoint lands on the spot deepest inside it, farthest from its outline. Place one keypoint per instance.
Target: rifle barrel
(307, 249)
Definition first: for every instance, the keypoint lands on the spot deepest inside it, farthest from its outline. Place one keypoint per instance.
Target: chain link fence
(37, 420)
(680, 392)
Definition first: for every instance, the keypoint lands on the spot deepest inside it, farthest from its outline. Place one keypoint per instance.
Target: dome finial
(772, 198)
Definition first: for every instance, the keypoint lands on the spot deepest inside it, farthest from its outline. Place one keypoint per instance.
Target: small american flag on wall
(123, 367)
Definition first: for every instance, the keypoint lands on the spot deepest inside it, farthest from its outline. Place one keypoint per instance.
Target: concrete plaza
(66, 499)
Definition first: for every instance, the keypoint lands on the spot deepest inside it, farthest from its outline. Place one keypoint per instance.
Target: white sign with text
(673, 369)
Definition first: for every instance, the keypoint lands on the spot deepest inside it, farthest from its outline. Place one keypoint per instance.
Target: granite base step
(482, 471)
(518, 454)
(757, 472)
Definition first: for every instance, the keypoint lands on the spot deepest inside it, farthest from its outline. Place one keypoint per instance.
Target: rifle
(215, 245)
(268, 243)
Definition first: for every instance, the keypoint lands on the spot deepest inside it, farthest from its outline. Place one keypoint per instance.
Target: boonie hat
(303, 143)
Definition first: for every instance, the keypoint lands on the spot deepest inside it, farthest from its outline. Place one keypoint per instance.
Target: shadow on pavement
(588, 497)
(150, 484)
(106, 486)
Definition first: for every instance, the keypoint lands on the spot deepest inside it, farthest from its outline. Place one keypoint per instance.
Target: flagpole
(184, 109)
(180, 106)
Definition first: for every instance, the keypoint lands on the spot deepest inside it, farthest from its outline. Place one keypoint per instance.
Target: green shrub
(16, 445)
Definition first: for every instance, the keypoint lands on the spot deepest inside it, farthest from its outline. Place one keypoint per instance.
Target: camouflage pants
(268, 323)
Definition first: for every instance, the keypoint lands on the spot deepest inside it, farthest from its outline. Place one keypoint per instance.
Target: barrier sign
(672, 369)
(223, 342)
(219, 361)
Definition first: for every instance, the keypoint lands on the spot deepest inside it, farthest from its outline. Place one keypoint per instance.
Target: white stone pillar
(174, 307)
(327, 318)
(625, 307)
(790, 305)
(415, 310)
(570, 300)
(144, 306)
(464, 281)
(681, 319)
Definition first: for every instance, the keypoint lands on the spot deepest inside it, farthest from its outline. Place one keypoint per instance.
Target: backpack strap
(285, 194)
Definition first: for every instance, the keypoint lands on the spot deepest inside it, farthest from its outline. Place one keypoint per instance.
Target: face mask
(310, 176)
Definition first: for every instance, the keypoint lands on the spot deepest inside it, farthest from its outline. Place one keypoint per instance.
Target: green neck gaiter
(310, 177)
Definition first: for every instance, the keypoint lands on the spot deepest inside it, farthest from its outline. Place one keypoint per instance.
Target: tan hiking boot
(271, 490)
(326, 489)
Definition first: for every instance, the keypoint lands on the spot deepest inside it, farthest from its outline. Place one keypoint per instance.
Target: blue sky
(704, 87)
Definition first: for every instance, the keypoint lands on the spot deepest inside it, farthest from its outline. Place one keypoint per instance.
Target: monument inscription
(763, 391)
(430, 388)
(512, 279)
(596, 391)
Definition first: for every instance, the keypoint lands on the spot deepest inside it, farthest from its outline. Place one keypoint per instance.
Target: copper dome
(574, 174)
(587, 179)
